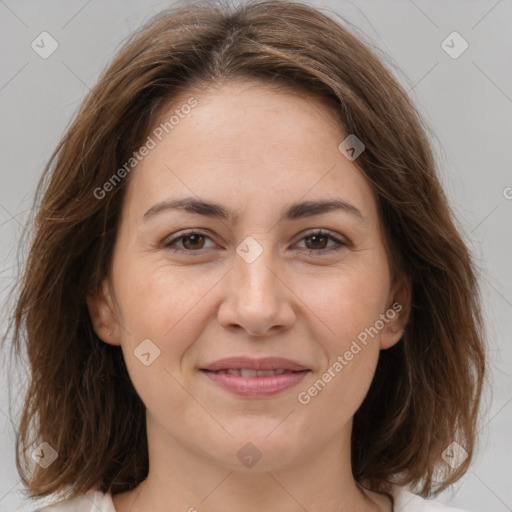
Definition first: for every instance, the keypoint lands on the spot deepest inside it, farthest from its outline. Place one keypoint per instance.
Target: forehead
(248, 145)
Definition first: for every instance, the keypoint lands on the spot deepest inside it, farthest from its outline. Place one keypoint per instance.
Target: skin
(255, 150)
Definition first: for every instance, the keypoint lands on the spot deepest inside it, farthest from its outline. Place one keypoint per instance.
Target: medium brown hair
(426, 391)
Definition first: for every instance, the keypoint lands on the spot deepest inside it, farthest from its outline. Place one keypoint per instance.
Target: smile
(252, 373)
(255, 383)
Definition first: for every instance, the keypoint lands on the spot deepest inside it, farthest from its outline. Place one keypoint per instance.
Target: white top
(95, 501)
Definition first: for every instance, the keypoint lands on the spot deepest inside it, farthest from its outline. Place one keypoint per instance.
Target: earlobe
(101, 312)
(397, 313)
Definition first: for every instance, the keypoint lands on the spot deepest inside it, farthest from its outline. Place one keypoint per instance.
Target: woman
(246, 290)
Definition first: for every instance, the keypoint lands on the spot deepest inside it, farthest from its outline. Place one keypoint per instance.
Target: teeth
(249, 373)
(252, 373)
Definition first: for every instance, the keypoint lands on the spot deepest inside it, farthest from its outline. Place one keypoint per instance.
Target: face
(273, 277)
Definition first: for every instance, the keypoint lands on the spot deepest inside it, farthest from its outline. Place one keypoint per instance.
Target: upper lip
(248, 363)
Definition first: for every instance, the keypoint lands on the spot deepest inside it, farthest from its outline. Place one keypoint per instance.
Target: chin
(262, 450)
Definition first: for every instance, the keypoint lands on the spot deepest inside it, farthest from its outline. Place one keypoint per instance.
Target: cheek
(348, 301)
(169, 307)
(157, 298)
(332, 399)
(356, 308)
(349, 307)
(162, 306)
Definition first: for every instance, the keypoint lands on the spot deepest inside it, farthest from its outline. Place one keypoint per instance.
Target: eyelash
(167, 244)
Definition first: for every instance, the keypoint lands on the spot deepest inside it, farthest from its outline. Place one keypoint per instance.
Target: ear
(102, 313)
(397, 312)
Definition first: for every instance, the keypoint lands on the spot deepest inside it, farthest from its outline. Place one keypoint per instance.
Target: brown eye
(317, 243)
(192, 241)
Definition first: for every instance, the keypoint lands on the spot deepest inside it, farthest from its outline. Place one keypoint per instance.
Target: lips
(255, 378)
(250, 367)
(245, 372)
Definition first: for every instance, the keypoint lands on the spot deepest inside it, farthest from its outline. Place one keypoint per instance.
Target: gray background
(466, 101)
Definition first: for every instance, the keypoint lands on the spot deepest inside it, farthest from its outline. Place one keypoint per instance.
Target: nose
(257, 297)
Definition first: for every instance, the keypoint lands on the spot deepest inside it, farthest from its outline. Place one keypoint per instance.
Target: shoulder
(91, 501)
(406, 501)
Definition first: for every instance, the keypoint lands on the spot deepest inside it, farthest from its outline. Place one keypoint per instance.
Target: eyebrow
(293, 212)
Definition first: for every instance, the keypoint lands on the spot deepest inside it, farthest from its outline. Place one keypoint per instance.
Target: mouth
(249, 364)
(248, 373)
(248, 383)
(252, 378)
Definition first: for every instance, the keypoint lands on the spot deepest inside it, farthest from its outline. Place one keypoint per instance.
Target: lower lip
(268, 385)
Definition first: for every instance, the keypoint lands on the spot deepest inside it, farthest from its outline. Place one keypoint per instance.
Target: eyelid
(323, 232)
(175, 237)
(340, 241)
